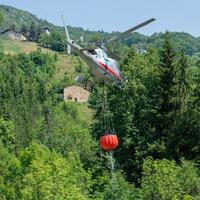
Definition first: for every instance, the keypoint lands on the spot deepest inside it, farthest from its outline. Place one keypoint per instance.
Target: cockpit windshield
(116, 64)
(101, 53)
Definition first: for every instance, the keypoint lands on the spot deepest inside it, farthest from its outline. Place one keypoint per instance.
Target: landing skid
(89, 85)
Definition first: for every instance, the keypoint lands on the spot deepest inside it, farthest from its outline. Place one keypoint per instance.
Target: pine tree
(167, 107)
(33, 32)
(24, 30)
(183, 80)
(13, 27)
(1, 17)
(187, 141)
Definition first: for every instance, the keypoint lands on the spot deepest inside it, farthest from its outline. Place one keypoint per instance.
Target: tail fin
(67, 35)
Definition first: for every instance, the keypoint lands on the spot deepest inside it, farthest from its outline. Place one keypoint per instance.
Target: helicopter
(102, 68)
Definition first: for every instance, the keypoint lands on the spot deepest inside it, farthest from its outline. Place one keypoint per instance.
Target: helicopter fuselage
(101, 67)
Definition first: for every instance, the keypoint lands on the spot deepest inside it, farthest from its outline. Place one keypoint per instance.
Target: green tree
(24, 30)
(13, 27)
(7, 134)
(164, 179)
(167, 108)
(150, 114)
(119, 188)
(24, 90)
(45, 40)
(9, 174)
(188, 140)
(70, 132)
(1, 17)
(33, 32)
(133, 111)
(57, 41)
(49, 176)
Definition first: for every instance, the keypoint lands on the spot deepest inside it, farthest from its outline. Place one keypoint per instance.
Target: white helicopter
(102, 68)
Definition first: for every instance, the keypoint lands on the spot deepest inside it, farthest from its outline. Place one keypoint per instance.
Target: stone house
(14, 35)
(75, 94)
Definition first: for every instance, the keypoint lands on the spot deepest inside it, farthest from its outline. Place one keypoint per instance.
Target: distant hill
(183, 40)
(17, 18)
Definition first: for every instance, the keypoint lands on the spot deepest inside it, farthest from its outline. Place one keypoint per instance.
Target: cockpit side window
(101, 53)
(93, 52)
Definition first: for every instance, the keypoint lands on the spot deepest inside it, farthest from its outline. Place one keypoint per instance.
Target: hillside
(18, 18)
(148, 129)
(14, 47)
(64, 64)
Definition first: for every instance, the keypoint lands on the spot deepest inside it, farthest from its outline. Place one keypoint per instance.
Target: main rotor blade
(129, 31)
(67, 35)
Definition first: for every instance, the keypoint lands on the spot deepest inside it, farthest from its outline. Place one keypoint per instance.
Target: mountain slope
(65, 66)
(17, 18)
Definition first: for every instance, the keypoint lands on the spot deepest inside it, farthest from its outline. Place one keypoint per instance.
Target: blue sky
(118, 15)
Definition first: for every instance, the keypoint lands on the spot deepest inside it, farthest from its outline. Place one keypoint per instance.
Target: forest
(49, 149)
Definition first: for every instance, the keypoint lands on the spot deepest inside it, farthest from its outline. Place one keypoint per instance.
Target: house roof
(8, 30)
(46, 28)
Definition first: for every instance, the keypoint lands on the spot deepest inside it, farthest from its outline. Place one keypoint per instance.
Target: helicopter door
(113, 65)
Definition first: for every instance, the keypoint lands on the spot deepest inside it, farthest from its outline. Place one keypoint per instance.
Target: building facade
(75, 94)
(14, 35)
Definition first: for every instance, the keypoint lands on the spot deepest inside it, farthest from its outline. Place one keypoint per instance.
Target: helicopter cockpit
(116, 64)
(99, 53)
